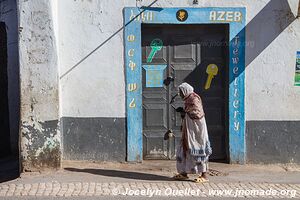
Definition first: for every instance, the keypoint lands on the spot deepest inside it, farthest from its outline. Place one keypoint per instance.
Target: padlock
(169, 134)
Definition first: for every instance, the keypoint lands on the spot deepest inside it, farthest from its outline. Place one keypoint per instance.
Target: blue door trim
(235, 17)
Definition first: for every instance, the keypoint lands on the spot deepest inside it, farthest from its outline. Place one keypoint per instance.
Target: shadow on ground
(121, 174)
(9, 169)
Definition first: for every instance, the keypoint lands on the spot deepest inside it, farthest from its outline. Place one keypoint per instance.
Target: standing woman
(193, 153)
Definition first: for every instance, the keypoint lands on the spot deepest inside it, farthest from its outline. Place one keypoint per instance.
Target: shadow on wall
(9, 169)
(261, 31)
(298, 15)
(266, 26)
(5, 149)
(9, 15)
(108, 39)
(9, 91)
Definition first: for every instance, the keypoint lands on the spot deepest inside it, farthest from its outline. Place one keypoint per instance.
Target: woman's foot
(181, 176)
(204, 175)
(202, 178)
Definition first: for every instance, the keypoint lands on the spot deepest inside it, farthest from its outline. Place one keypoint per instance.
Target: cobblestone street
(153, 179)
(152, 189)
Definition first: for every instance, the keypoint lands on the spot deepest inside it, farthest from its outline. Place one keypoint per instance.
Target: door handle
(168, 80)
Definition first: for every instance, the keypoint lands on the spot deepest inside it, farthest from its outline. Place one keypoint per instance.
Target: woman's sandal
(180, 177)
(201, 180)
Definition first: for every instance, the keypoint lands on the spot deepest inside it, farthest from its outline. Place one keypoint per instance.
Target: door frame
(236, 18)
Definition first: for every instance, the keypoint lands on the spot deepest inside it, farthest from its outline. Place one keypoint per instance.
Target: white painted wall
(95, 87)
(38, 60)
(39, 82)
(8, 14)
(271, 94)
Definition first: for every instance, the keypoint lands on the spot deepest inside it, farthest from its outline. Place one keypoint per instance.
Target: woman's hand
(180, 109)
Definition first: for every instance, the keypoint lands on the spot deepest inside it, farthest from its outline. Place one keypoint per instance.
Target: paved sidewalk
(152, 178)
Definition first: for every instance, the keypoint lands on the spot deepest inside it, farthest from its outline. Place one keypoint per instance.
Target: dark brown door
(187, 51)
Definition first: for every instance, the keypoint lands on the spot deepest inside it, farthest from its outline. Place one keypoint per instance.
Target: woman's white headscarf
(186, 89)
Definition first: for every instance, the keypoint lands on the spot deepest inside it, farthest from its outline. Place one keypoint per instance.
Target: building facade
(97, 77)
